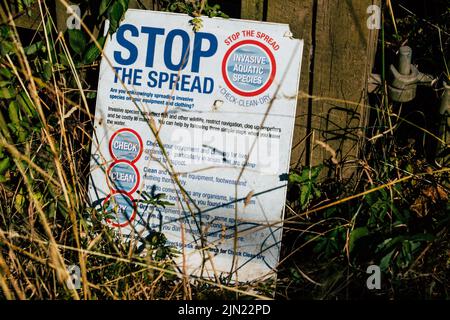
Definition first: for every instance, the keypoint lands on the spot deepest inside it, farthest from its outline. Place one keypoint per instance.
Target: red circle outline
(269, 81)
(134, 168)
(133, 216)
(141, 149)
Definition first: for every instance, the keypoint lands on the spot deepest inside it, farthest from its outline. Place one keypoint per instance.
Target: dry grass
(45, 224)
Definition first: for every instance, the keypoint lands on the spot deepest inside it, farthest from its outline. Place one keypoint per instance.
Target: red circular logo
(126, 144)
(124, 205)
(120, 176)
(252, 68)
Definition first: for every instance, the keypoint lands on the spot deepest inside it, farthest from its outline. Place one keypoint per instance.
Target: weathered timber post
(337, 60)
(252, 9)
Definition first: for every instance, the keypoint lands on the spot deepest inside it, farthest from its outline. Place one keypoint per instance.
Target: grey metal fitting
(445, 100)
(404, 80)
(444, 125)
(403, 87)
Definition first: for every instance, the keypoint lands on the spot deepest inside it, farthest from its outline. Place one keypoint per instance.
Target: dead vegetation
(396, 214)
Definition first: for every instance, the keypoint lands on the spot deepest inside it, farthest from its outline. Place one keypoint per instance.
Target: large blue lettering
(133, 52)
(198, 53)
(169, 46)
(152, 33)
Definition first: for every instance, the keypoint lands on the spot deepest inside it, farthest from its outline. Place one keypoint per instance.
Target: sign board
(207, 119)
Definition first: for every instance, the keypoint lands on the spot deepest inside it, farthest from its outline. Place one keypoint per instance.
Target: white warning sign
(205, 118)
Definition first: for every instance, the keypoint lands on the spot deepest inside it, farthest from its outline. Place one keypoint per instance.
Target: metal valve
(444, 126)
(445, 101)
(404, 80)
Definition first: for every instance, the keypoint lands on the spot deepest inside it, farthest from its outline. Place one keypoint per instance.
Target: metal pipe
(445, 100)
(404, 60)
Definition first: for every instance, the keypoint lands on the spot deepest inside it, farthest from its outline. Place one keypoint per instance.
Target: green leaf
(124, 4)
(32, 49)
(103, 7)
(19, 202)
(321, 245)
(197, 24)
(6, 47)
(406, 252)
(63, 59)
(369, 198)
(422, 237)
(384, 194)
(51, 43)
(13, 112)
(26, 104)
(356, 234)
(305, 174)
(93, 52)
(77, 40)
(330, 212)
(295, 178)
(7, 93)
(317, 192)
(415, 246)
(47, 71)
(315, 171)
(91, 95)
(5, 72)
(115, 13)
(305, 192)
(389, 243)
(384, 263)
(4, 165)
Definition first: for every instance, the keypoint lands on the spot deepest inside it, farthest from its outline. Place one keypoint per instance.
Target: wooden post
(337, 61)
(341, 71)
(299, 16)
(23, 20)
(252, 9)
